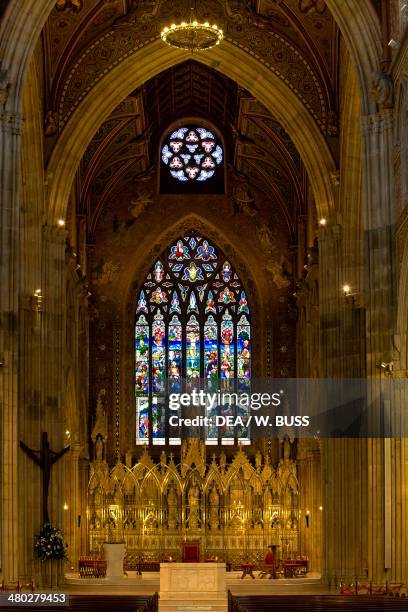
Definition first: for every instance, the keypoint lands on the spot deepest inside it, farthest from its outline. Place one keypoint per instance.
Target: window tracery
(192, 322)
(192, 154)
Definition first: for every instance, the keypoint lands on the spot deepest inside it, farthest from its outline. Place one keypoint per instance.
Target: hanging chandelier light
(192, 35)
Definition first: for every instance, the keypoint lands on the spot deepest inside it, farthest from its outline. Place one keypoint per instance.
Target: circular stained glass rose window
(192, 154)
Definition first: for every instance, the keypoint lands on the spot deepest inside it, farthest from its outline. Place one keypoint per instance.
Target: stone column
(380, 273)
(330, 300)
(311, 496)
(71, 527)
(31, 415)
(10, 145)
(53, 380)
(343, 460)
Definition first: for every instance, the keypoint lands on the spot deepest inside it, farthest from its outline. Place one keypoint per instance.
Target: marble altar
(193, 587)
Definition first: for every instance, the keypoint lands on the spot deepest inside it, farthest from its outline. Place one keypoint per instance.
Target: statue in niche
(105, 272)
(265, 238)
(111, 520)
(99, 431)
(278, 272)
(99, 447)
(139, 204)
(95, 521)
(243, 200)
(223, 461)
(98, 497)
(267, 498)
(258, 461)
(214, 509)
(286, 449)
(275, 524)
(193, 504)
(172, 507)
(51, 123)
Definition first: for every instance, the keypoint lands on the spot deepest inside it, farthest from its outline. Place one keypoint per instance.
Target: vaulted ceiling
(83, 39)
(298, 39)
(126, 146)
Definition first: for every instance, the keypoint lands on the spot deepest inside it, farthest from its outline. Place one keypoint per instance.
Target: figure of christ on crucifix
(45, 459)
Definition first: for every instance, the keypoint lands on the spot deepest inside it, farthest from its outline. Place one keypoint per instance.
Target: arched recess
(154, 58)
(247, 269)
(146, 254)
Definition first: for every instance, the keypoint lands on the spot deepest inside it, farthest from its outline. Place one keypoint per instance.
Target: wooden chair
(190, 552)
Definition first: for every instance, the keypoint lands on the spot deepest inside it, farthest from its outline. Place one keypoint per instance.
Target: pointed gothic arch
(193, 322)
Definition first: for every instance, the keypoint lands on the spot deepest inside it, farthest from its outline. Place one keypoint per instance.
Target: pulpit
(114, 555)
(190, 552)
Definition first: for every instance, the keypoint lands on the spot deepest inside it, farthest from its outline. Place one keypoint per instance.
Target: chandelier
(192, 35)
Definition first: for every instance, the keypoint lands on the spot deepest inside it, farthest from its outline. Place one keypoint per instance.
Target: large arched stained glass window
(192, 322)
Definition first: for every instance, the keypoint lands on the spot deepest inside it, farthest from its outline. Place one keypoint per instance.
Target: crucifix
(45, 459)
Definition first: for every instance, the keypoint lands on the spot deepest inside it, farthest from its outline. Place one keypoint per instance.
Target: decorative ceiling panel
(187, 90)
(297, 41)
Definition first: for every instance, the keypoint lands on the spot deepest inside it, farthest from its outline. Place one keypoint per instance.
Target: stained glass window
(192, 154)
(193, 322)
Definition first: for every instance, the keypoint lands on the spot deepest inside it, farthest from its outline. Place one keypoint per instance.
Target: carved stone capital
(4, 88)
(382, 89)
(54, 234)
(11, 123)
(378, 122)
(335, 178)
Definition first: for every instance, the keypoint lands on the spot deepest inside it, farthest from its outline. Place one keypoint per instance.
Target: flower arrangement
(49, 544)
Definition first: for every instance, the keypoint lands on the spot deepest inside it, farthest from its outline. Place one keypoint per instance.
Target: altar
(193, 586)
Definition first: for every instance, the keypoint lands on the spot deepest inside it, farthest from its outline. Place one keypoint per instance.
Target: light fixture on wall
(61, 223)
(307, 518)
(346, 290)
(193, 35)
(386, 367)
(322, 221)
(37, 300)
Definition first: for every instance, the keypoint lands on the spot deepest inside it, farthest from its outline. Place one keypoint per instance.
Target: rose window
(192, 154)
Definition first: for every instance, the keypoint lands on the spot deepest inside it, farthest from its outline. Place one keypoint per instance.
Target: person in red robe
(270, 557)
(270, 566)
